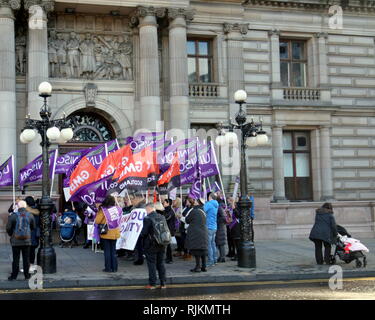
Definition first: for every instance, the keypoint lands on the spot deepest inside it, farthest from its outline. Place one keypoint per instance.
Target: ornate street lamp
(49, 131)
(252, 134)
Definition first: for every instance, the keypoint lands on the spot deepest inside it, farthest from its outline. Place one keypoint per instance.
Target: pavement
(275, 260)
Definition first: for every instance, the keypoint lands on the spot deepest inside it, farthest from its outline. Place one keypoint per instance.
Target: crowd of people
(200, 230)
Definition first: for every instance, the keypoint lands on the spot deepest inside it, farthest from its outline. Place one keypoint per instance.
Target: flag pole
(181, 198)
(53, 173)
(209, 184)
(14, 185)
(218, 170)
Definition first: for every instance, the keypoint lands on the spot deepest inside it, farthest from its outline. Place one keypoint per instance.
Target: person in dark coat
(170, 216)
(324, 232)
(221, 233)
(154, 252)
(20, 245)
(35, 233)
(235, 232)
(197, 234)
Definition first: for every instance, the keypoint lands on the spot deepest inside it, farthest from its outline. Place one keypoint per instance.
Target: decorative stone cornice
(232, 27)
(13, 4)
(360, 6)
(274, 32)
(47, 5)
(321, 35)
(187, 14)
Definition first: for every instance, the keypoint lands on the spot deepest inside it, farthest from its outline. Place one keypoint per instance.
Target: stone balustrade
(307, 94)
(204, 90)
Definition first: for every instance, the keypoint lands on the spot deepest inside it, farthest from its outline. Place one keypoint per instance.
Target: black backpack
(162, 235)
(22, 230)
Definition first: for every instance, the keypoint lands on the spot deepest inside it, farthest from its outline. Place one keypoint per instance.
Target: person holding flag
(108, 218)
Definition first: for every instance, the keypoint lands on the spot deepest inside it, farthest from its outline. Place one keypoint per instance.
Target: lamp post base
(246, 255)
(46, 259)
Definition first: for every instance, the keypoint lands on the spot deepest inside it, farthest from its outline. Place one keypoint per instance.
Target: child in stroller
(349, 249)
(68, 226)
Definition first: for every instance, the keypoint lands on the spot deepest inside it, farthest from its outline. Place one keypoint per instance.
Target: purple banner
(207, 159)
(6, 173)
(145, 139)
(94, 192)
(66, 161)
(34, 170)
(187, 156)
(95, 155)
(112, 215)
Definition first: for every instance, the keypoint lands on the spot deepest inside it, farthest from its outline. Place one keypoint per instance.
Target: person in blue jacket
(211, 207)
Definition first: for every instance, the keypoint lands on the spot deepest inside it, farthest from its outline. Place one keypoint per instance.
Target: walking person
(211, 207)
(170, 216)
(154, 252)
(109, 214)
(19, 227)
(324, 232)
(35, 233)
(197, 234)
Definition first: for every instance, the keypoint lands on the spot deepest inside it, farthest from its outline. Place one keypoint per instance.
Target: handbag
(103, 228)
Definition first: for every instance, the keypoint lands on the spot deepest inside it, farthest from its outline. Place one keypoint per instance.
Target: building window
(199, 60)
(297, 165)
(293, 63)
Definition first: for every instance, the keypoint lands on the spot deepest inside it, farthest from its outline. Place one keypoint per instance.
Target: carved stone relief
(90, 47)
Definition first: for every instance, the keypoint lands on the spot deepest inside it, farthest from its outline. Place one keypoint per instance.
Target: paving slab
(276, 260)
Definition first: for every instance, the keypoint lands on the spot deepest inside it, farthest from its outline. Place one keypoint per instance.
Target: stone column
(149, 76)
(278, 163)
(235, 33)
(179, 84)
(136, 74)
(322, 59)
(325, 164)
(8, 123)
(276, 87)
(37, 62)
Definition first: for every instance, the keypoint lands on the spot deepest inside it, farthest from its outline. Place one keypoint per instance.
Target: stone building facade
(116, 66)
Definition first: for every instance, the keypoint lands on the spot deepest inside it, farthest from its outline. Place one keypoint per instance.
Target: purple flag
(112, 216)
(94, 192)
(214, 188)
(6, 173)
(34, 170)
(95, 155)
(207, 159)
(145, 139)
(66, 161)
(187, 156)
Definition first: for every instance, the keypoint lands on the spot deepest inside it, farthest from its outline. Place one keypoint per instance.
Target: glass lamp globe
(53, 133)
(231, 138)
(45, 89)
(262, 139)
(240, 96)
(22, 139)
(67, 134)
(220, 141)
(251, 141)
(28, 135)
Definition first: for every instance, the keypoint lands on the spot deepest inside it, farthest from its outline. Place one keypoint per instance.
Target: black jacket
(146, 236)
(221, 233)
(170, 216)
(11, 225)
(235, 232)
(197, 234)
(324, 227)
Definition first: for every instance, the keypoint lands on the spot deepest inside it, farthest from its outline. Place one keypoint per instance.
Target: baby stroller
(68, 225)
(349, 249)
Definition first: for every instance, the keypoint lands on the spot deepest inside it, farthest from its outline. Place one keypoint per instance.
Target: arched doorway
(90, 129)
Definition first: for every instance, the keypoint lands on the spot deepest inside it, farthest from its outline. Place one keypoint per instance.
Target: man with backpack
(19, 227)
(156, 237)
